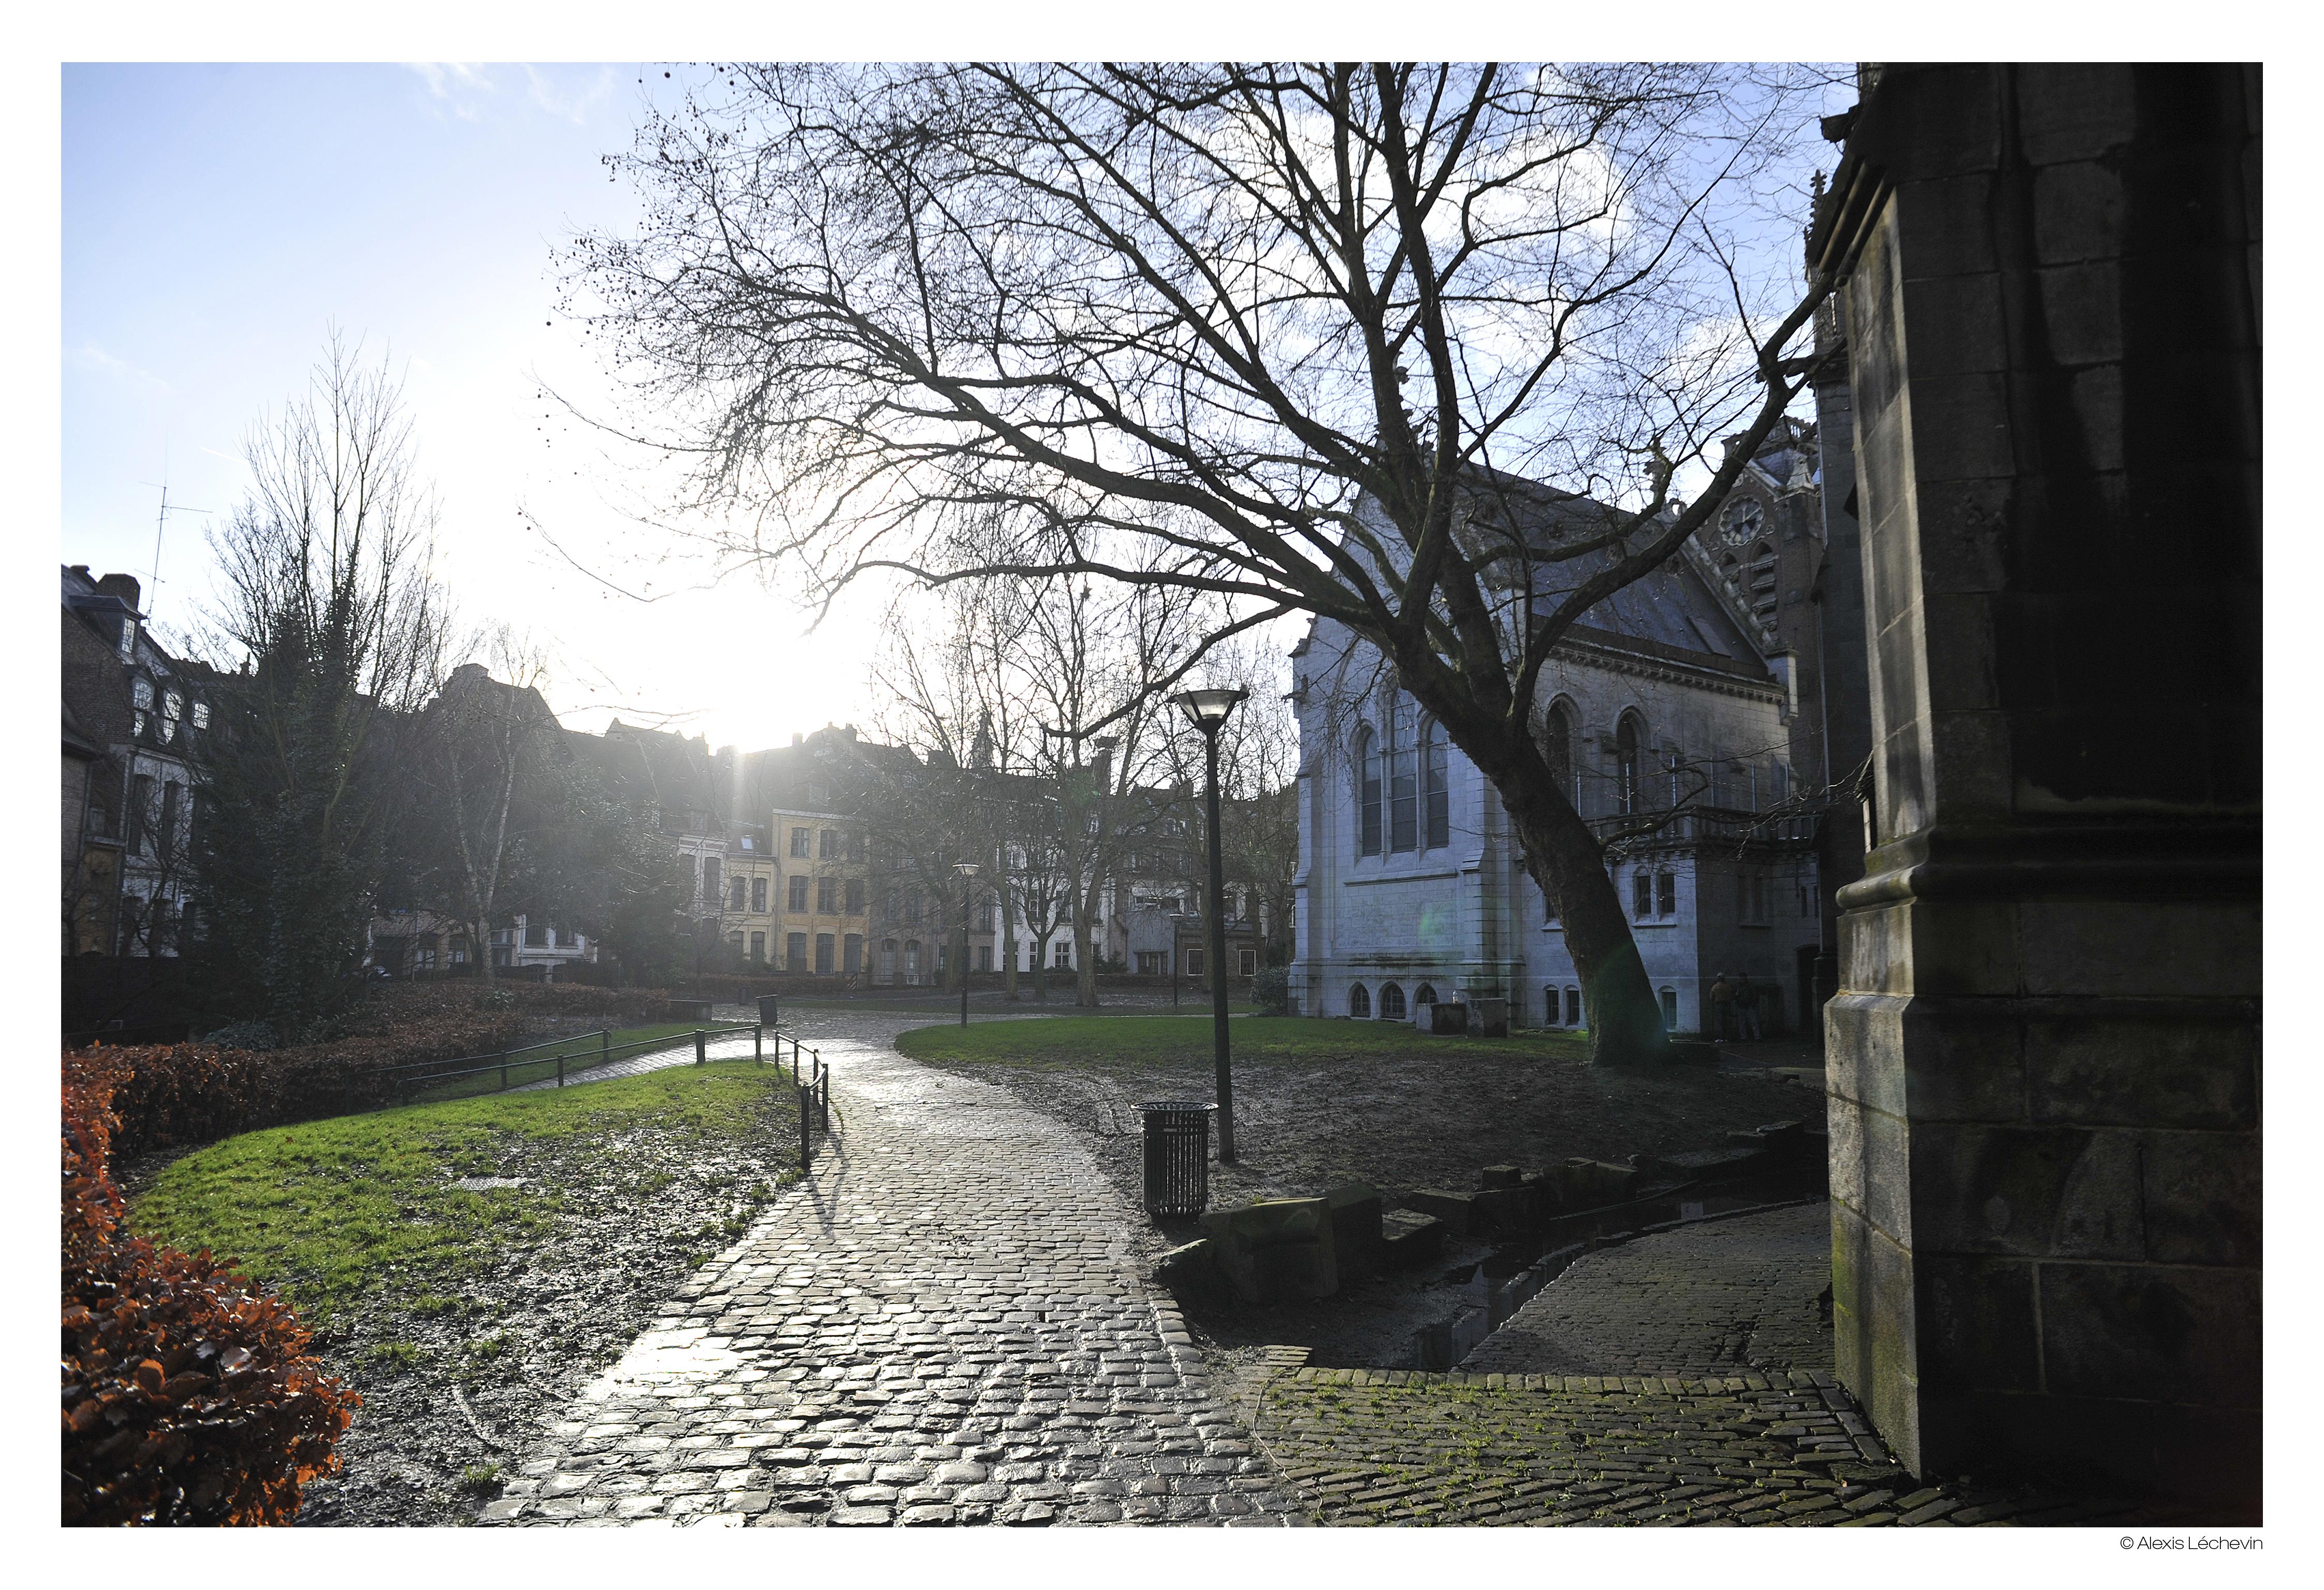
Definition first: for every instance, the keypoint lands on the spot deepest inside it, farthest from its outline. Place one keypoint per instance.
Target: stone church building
(1687, 713)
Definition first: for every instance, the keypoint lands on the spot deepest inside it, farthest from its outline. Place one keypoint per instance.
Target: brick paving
(942, 1324)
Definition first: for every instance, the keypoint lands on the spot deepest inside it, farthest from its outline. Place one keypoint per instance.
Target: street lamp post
(967, 871)
(1207, 711)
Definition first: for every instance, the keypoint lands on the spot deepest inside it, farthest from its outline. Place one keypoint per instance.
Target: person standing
(1722, 1008)
(1746, 1007)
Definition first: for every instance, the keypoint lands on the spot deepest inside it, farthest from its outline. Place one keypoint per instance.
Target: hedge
(188, 1396)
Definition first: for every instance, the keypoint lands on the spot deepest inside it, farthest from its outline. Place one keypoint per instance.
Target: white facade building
(1411, 890)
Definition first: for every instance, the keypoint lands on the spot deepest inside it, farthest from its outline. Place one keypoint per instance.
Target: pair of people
(1736, 1005)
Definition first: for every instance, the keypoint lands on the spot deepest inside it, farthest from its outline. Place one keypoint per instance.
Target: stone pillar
(2044, 1060)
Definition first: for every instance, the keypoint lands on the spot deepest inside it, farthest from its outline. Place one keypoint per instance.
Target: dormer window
(140, 694)
(201, 714)
(129, 640)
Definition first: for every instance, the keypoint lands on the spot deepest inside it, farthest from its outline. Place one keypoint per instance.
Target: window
(1403, 786)
(1751, 896)
(1437, 800)
(1424, 994)
(734, 900)
(823, 945)
(851, 954)
(830, 849)
(1667, 894)
(734, 943)
(536, 935)
(1149, 963)
(818, 794)
(855, 897)
(141, 809)
(1065, 961)
(128, 637)
(855, 846)
(912, 961)
(799, 842)
(1247, 962)
(140, 694)
(795, 952)
(826, 896)
(758, 946)
(1572, 1007)
(1626, 763)
(1368, 800)
(201, 714)
(1391, 1003)
(798, 892)
(758, 894)
(1360, 1002)
(169, 827)
(984, 957)
(710, 878)
(1670, 1010)
(1642, 894)
(1557, 746)
(749, 843)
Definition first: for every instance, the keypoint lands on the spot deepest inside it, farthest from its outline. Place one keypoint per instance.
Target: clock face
(1743, 521)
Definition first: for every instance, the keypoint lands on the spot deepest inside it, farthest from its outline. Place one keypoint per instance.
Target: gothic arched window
(1557, 748)
(1435, 801)
(1368, 792)
(1403, 784)
(1360, 1002)
(1625, 761)
(1391, 1003)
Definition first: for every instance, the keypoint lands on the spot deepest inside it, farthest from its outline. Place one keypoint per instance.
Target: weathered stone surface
(1276, 1250)
(1358, 1245)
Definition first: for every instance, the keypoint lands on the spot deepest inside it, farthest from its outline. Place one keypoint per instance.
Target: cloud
(571, 107)
(456, 83)
(135, 375)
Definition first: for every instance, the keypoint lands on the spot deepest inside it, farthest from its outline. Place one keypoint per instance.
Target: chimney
(797, 738)
(124, 587)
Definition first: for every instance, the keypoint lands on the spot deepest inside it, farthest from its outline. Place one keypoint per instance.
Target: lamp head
(1207, 709)
(965, 868)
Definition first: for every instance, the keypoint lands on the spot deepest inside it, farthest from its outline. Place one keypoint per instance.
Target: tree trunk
(1085, 958)
(1041, 969)
(1623, 1018)
(1008, 930)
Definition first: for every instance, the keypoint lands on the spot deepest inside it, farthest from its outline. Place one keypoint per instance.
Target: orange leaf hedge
(188, 1395)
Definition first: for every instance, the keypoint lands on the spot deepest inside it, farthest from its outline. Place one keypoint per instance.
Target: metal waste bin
(767, 1011)
(1177, 1157)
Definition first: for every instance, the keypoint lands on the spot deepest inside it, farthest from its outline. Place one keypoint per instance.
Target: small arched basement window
(1360, 1002)
(1391, 1003)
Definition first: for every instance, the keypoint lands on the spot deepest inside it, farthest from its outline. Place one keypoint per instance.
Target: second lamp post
(967, 871)
(1207, 711)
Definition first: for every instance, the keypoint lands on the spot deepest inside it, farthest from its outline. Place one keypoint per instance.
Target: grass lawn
(1144, 1041)
(336, 1213)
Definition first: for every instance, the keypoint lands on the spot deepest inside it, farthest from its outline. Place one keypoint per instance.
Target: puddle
(486, 1183)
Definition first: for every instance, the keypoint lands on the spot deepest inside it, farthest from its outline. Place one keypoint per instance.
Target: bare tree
(1294, 336)
(328, 644)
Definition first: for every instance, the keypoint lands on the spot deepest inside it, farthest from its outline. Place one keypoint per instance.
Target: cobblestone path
(942, 1324)
(1714, 1298)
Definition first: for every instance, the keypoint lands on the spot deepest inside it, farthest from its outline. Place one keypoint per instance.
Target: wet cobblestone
(943, 1325)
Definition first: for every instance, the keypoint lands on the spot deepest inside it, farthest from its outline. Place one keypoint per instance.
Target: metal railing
(510, 1068)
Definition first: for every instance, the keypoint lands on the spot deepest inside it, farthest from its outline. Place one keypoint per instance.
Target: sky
(219, 221)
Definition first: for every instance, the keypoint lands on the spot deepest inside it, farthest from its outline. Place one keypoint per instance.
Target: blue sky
(217, 220)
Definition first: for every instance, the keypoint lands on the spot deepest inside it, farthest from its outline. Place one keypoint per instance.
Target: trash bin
(767, 1002)
(1177, 1157)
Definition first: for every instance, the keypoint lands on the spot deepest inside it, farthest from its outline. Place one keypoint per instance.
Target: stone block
(2201, 1197)
(2078, 212)
(1452, 1208)
(1493, 1176)
(2075, 111)
(2033, 1192)
(1585, 1183)
(1447, 1017)
(1977, 1329)
(2147, 1331)
(1489, 1019)
(1505, 1211)
(2133, 1069)
(1947, 225)
(1357, 1245)
(1956, 324)
(1960, 428)
(1410, 1239)
(1276, 1251)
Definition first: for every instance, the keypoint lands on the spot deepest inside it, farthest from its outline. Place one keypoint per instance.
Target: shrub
(188, 1396)
(1270, 990)
(161, 1095)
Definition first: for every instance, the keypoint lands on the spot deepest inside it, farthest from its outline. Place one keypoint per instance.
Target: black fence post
(759, 1044)
(701, 1049)
(805, 1149)
(560, 1068)
(503, 1071)
(604, 1044)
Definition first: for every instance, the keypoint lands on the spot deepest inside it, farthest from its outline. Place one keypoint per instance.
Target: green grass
(580, 1053)
(1147, 1040)
(333, 1212)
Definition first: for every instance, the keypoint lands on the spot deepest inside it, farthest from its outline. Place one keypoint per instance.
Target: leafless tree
(327, 645)
(1285, 334)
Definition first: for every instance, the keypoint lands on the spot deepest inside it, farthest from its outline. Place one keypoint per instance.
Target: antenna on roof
(160, 522)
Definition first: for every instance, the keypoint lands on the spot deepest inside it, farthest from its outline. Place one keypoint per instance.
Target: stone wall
(2044, 1060)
